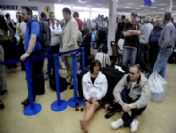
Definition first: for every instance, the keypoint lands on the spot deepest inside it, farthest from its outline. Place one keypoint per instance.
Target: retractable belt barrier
(58, 105)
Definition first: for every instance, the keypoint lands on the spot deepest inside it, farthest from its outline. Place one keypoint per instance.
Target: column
(112, 23)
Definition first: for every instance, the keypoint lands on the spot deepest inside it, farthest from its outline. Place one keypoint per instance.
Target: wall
(19, 3)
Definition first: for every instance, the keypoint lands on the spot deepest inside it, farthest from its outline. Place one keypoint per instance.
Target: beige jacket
(140, 89)
(69, 36)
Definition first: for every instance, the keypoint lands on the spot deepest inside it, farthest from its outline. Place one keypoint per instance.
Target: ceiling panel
(158, 7)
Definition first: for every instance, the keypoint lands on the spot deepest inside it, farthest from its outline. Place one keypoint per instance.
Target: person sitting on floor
(103, 57)
(95, 87)
(132, 93)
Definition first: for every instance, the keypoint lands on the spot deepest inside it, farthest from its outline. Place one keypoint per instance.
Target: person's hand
(126, 108)
(24, 56)
(94, 99)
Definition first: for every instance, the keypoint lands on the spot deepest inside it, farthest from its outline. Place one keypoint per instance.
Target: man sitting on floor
(132, 93)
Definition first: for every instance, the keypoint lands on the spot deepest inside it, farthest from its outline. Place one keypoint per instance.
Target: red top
(80, 23)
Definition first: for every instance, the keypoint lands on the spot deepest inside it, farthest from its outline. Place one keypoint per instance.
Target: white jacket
(55, 33)
(98, 89)
(70, 36)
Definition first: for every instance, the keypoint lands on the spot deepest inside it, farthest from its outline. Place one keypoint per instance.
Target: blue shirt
(35, 29)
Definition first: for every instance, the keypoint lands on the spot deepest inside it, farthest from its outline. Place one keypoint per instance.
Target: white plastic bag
(158, 87)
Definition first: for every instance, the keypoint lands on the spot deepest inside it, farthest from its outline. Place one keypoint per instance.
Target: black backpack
(42, 38)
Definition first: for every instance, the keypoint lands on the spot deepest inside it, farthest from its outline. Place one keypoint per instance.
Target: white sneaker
(134, 126)
(116, 124)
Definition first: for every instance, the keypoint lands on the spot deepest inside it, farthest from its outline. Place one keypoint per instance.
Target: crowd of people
(147, 47)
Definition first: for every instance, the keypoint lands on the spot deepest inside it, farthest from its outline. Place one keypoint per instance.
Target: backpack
(42, 38)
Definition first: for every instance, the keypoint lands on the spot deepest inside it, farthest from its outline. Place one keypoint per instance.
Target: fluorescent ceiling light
(127, 7)
(130, 4)
(162, 9)
(162, 4)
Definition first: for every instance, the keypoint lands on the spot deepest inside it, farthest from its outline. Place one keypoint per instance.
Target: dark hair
(7, 15)
(136, 66)
(75, 14)
(66, 10)
(123, 17)
(43, 15)
(19, 19)
(112, 43)
(51, 13)
(134, 14)
(168, 16)
(93, 64)
(104, 49)
(28, 10)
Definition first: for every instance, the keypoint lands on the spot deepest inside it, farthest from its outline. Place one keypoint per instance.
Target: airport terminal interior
(106, 29)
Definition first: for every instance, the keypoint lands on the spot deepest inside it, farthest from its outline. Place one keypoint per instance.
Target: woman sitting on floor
(94, 89)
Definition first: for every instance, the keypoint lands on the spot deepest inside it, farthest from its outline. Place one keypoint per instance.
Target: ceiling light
(130, 4)
(162, 9)
(127, 7)
(162, 4)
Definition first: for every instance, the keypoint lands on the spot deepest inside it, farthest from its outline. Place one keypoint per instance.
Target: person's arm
(108, 61)
(118, 89)
(134, 32)
(104, 87)
(166, 37)
(85, 88)
(144, 98)
(73, 34)
(35, 30)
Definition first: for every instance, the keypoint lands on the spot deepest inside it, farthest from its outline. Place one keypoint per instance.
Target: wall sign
(47, 9)
(16, 7)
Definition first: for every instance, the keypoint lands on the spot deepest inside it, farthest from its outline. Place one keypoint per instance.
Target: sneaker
(134, 126)
(116, 124)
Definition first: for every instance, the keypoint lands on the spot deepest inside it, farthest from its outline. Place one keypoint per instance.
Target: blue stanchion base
(32, 110)
(72, 101)
(59, 105)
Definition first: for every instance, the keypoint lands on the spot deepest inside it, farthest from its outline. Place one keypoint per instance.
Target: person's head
(43, 16)
(133, 17)
(18, 14)
(7, 16)
(95, 67)
(104, 49)
(51, 16)
(66, 13)
(26, 13)
(168, 16)
(123, 18)
(19, 19)
(147, 19)
(159, 21)
(76, 15)
(134, 72)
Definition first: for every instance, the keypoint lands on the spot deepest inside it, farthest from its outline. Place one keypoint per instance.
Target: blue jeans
(161, 62)
(128, 119)
(129, 54)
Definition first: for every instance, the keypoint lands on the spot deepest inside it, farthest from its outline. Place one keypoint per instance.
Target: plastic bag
(158, 87)
(157, 83)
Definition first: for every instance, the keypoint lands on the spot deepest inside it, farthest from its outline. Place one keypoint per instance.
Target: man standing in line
(69, 39)
(166, 44)
(33, 47)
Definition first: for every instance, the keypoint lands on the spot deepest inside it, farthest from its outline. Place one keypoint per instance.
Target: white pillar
(112, 23)
(171, 5)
